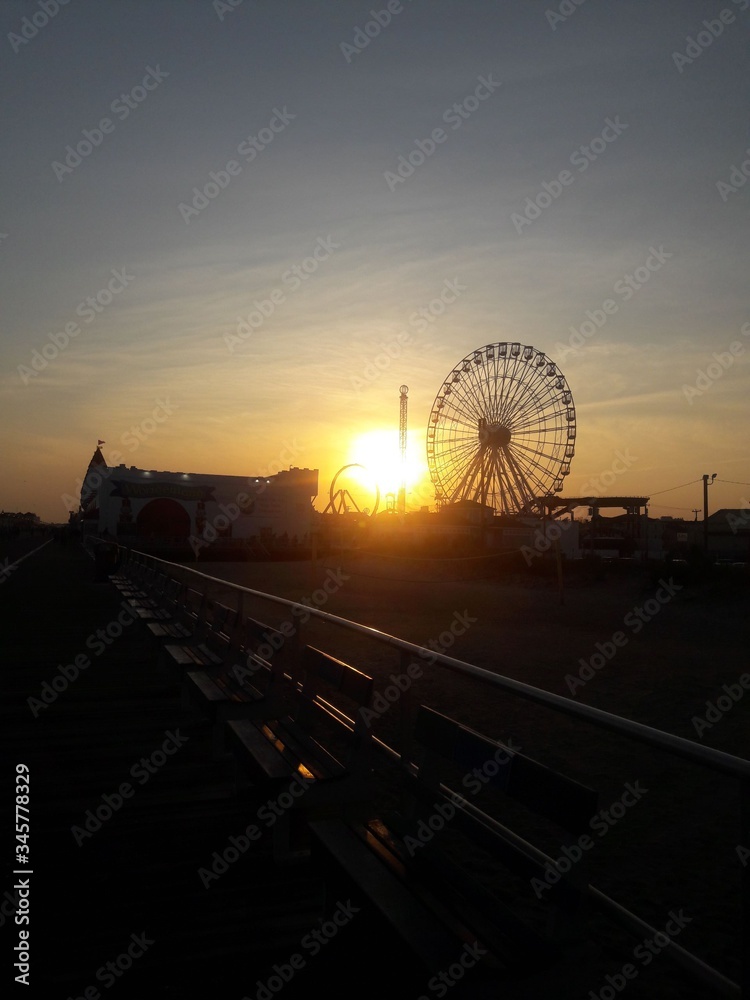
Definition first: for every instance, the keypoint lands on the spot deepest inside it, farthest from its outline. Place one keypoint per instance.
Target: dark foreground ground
(134, 882)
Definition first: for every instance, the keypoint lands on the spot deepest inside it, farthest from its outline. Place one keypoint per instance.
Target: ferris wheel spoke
(460, 456)
(535, 457)
(466, 481)
(538, 443)
(476, 392)
(521, 402)
(514, 488)
(523, 480)
(518, 385)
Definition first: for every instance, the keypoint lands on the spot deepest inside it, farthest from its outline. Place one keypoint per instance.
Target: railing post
(405, 710)
(298, 643)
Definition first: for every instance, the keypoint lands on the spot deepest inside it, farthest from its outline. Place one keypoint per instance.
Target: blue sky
(309, 225)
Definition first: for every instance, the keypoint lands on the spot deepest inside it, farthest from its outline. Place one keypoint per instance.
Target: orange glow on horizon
(377, 452)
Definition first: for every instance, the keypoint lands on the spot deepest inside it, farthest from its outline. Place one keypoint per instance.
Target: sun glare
(379, 453)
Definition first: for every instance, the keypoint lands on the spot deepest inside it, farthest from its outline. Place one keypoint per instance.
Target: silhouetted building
(196, 508)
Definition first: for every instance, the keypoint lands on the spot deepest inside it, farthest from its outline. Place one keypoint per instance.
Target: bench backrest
(257, 662)
(172, 590)
(158, 586)
(145, 575)
(562, 800)
(451, 749)
(192, 608)
(222, 621)
(279, 651)
(330, 698)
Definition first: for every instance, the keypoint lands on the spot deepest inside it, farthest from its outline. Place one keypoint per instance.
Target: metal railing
(716, 760)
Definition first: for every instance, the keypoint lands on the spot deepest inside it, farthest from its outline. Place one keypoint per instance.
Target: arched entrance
(162, 518)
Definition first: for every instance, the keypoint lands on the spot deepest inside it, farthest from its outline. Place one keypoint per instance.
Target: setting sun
(378, 459)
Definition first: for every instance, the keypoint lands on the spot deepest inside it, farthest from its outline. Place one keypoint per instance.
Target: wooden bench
(134, 581)
(437, 867)
(149, 603)
(244, 686)
(163, 603)
(215, 639)
(188, 617)
(319, 747)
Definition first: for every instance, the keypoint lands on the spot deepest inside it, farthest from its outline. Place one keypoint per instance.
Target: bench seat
(427, 851)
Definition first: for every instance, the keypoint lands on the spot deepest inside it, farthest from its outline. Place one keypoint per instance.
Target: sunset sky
(555, 154)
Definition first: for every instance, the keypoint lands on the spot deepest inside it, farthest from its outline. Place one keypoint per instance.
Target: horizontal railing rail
(716, 760)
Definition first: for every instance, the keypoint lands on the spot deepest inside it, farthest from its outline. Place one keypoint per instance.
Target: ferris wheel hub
(493, 435)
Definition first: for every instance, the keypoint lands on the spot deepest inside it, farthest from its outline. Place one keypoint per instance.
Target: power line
(732, 482)
(678, 488)
(664, 506)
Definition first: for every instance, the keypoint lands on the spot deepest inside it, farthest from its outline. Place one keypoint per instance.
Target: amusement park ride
(502, 430)
(501, 433)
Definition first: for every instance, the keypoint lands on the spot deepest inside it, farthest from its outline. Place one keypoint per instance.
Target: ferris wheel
(502, 429)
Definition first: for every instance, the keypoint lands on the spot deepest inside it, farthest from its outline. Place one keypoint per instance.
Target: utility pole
(706, 484)
(696, 511)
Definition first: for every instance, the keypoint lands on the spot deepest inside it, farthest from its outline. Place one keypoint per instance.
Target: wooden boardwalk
(128, 806)
(134, 882)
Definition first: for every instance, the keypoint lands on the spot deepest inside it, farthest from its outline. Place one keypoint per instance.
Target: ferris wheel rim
(502, 428)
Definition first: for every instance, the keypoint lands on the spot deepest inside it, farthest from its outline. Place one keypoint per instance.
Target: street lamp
(707, 481)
